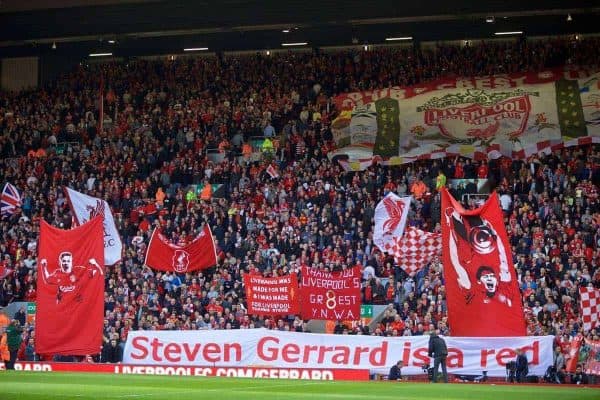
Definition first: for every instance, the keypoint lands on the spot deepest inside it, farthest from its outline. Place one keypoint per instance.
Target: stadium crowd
(160, 117)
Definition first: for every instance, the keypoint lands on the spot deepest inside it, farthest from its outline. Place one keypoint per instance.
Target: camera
(428, 370)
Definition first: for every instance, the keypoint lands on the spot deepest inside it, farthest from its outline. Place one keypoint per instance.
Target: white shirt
(505, 202)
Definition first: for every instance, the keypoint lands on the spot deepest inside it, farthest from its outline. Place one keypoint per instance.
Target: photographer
(396, 372)
(439, 351)
(579, 377)
(522, 366)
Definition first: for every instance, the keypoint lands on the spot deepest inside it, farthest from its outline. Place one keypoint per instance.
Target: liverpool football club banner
(84, 208)
(330, 295)
(271, 296)
(482, 291)
(390, 220)
(506, 115)
(70, 282)
(163, 255)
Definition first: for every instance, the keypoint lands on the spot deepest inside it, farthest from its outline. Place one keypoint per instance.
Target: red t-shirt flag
(271, 296)
(165, 256)
(482, 292)
(70, 295)
(330, 296)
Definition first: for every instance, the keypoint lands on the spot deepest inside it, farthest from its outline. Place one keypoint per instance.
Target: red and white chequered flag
(589, 303)
(415, 249)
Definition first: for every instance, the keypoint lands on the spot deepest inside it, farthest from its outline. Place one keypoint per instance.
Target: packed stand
(160, 119)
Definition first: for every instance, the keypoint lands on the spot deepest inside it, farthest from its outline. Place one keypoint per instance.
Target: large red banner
(481, 285)
(328, 296)
(165, 256)
(70, 297)
(271, 296)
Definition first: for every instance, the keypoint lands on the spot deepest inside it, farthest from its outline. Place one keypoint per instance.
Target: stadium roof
(142, 27)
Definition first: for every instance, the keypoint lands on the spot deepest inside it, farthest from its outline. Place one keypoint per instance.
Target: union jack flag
(9, 200)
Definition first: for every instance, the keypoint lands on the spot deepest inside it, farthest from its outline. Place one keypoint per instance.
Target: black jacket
(110, 354)
(437, 346)
(522, 364)
(395, 373)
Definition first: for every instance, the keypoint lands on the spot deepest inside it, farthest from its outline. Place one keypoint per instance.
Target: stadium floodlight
(286, 31)
(100, 54)
(393, 39)
(508, 33)
(111, 41)
(490, 19)
(295, 44)
(195, 49)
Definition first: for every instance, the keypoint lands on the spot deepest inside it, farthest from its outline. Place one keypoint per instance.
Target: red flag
(481, 285)
(573, 356)
(165, 256)
(271, 296)
(330, 296)
(70, 296)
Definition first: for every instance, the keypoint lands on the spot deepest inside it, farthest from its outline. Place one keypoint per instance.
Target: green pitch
(82, 386)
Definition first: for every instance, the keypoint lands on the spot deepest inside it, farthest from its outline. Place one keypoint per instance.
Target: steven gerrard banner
(279, 349)
(84, 208)
(70, 297)
(482, 292)
(330, 296)
(165, 256)
(271, 296)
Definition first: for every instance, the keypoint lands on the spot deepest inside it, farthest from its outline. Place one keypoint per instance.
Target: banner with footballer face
(481, 285)
(70, 298)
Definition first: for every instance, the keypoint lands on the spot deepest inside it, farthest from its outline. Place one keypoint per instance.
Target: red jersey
(69, 283)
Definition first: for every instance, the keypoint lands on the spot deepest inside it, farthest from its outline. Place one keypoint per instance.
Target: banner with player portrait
(330, 295)
(70, 289)
(165, 256)
(482, 291)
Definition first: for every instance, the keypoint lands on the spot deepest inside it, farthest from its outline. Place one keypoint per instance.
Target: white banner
(86, 207)
(266, 348)
(478, 118)
(390, 221)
